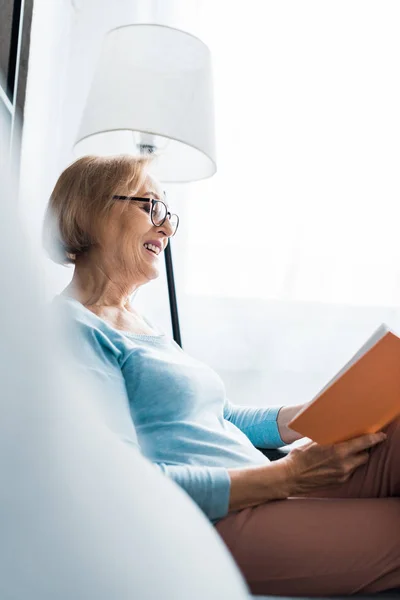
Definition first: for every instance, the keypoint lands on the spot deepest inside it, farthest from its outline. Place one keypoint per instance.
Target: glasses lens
(174, 223)
(159, 212)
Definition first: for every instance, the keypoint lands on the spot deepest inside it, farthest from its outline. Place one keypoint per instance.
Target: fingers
(360, 459)
(357, 461)
(361, 443)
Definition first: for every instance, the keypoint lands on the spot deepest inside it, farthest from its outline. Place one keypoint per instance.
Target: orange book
(362, 398)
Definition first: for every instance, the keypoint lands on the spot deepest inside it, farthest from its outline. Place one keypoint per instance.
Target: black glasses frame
(168, 215)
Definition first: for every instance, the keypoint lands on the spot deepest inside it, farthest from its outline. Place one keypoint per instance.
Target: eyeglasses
(159, 211)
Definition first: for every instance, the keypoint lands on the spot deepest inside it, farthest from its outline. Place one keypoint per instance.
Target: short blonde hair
(82, 196)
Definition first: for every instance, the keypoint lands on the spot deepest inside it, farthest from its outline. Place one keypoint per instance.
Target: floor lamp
(152, 93)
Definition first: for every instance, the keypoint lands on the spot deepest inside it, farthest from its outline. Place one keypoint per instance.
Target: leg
(379, 477)
(317, 547)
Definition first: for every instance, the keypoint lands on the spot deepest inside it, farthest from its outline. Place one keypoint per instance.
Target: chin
(153, 273)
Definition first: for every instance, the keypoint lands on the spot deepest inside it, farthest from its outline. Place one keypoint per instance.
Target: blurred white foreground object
(83, 515)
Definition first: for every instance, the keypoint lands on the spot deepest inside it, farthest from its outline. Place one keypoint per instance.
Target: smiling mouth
(155, 250)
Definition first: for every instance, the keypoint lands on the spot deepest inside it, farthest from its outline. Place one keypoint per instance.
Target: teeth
(153, 248)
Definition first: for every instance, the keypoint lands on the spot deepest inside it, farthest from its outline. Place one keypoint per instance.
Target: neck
(92, 285)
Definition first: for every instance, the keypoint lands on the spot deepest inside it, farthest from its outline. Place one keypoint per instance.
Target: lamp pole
(146, 147)
(173, 305)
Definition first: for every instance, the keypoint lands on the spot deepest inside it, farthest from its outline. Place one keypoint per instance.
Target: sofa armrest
(274, 453)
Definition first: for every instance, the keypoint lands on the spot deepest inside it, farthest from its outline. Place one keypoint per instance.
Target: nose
(166, 228)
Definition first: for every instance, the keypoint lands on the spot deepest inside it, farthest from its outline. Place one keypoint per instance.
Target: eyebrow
(151, 193)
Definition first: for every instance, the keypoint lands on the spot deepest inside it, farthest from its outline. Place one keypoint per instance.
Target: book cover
(362, 398)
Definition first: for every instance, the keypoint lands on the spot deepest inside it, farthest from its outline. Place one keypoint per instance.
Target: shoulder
(72, 310)
(85, 330)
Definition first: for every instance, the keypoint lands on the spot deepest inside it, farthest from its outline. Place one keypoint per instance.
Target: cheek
(128, 241)
(128, 233)
(123, 236)
(119, 231)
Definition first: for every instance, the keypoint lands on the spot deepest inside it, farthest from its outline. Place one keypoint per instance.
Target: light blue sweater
(174, 407)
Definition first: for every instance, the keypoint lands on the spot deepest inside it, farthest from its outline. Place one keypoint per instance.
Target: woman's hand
(312, 467)
(304, 470)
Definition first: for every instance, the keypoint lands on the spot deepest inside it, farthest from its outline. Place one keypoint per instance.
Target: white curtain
(288, 258)
(291, 254)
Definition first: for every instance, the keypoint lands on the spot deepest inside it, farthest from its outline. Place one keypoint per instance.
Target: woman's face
(130, 241)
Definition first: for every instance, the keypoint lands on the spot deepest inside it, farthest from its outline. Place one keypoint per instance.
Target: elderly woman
(308, 524)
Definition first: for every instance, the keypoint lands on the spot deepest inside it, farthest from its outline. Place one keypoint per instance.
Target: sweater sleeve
(258, 424)
(209, 487)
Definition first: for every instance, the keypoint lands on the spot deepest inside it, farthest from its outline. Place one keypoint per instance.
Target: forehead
(152, 187)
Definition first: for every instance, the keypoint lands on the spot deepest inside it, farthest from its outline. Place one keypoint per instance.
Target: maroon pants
(344, 541)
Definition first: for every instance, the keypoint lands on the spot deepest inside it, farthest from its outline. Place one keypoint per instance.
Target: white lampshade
(152, 92)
